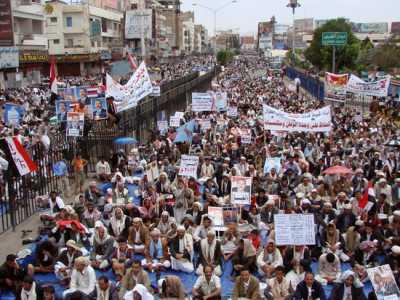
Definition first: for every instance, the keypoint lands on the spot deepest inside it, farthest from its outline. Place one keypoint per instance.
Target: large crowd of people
(129, 235)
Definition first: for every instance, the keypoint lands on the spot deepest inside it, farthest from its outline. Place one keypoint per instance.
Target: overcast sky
(245, 14)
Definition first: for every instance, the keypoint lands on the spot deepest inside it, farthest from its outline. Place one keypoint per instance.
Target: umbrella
(125, 141)
(393, 143)
(337, 170)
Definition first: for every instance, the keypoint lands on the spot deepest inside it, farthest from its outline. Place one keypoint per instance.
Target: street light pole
(293, 4)
(215, 11)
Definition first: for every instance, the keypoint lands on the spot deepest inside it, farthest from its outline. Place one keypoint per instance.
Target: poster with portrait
(69, 94)
(216, 214)
(384, 284)
(62, 109)
(75, 124)
(13, 114)
(241, 190)
(99, 108)
(230, 214)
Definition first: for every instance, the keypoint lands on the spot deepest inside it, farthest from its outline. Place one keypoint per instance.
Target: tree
(383, 57)
(224, 57)
(321, 56)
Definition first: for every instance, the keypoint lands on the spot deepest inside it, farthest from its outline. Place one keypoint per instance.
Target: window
(69, 43)
(69, 21)
(56, 41)
(53, 20)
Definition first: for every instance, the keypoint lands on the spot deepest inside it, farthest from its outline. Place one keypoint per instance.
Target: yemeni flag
(132, 61)
(20, 163)
(369, 191)
(53, 77)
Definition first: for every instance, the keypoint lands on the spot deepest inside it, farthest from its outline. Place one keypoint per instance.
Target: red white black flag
(19, 161)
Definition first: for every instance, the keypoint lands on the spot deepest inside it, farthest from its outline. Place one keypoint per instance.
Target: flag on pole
(53, 77)
(132, 61)
(369, 191)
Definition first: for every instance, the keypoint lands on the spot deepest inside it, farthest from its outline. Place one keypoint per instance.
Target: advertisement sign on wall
(138, 22)
(6, 28)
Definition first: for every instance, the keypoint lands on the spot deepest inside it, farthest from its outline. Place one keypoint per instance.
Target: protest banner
(205, 124)
(245, 136)
(241, 190)
(75, 124)
(128, 95)
(62, 108)
(230, 214)
(13, 114)
(189, 165)
(383, 282)
(335, 86)
(272, 163)
(162, 126)
(174, 121)
(294, 229)
(179, 114)
(221, 101)
(232, 111)
(318, 120)
(202, 102)
(379, 88)
(216, 214)
(152, 171)
(99, 108)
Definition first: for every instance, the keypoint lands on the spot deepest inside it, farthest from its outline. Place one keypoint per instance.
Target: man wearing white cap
(156, 252)
(181, 249)
(382, 187)
(210, 254)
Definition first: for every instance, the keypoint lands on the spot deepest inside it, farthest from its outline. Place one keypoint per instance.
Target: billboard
(264, 27)
(6, 28)
(395, 28)
(304, 25)
(138, 22)
(9, 57)
(370, 27)
(265, 41)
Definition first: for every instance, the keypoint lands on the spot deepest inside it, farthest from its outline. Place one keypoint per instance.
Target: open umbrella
(394, 143)
(337, 170)
(125, 141)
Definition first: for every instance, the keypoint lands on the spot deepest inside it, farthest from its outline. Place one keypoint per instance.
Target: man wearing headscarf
(171, 288)
(138, 236)
(210, 254)
(269, 259)
(119, 223)
(181, 249)
(134, 275)
(83, 280)
(156, 252)
(139, 292)
(348, 288)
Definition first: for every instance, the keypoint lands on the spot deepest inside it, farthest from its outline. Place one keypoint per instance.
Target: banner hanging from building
(318, 120)
(138, 23)
(378, 88)
(6, 24)
(335, 86)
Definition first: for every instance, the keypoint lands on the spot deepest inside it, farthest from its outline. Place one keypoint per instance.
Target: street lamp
(215, 11)
(293, 4)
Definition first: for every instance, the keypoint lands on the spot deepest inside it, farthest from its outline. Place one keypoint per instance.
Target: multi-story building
(186, 42)
(81, 35)
(247, 43)
(227, 39)
(280, 40)
(201, 44)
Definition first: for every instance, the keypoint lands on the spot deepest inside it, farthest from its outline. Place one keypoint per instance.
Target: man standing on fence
(297, 82)
(78, 163)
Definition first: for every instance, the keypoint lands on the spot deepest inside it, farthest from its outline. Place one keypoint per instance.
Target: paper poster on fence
(75, 124)
(335, 86)
(189, 165)
(318, 120)
(174, 121)
(272, 163)
(294, 229)
(384, 284)
(245, 136)
(202, 102)
(99, 108)
(216, 214)
(378, 88)
(232, 111)
(241, 190)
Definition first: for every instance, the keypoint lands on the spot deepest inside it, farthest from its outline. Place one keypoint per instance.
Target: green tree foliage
(382, 58)
(321, 56)
(224, 57)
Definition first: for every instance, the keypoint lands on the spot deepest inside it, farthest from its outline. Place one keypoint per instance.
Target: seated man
(134, 275)
(105, 290)
(329, 267)
(83, 280)
(309, 288)
(56, 204)
(90, 215)
(210, 254)
(181, 249)
(11, 275)
(207, 285)
(103, 246)
(138, 236)
(246, 286)
(269, 259)
(121, 256)
(46, 254)
(65, 261)
(279, 287)
(171, 287)
(156, 253)
(119, 223)
(30, 290)
(244, 257)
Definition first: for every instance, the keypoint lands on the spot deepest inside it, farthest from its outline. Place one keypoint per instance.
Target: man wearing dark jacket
(11, 275)
(309, 289)
(104, 290)
(346, 289)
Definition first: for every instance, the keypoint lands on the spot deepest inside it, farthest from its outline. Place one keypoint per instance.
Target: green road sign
(334, 38)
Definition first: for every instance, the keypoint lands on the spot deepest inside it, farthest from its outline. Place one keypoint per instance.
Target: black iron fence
(19, 194)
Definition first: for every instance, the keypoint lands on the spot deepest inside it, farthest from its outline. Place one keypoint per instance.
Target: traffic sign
(334, 38)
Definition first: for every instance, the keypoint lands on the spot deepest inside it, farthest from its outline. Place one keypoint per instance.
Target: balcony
(32, 10)
(31, 41)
